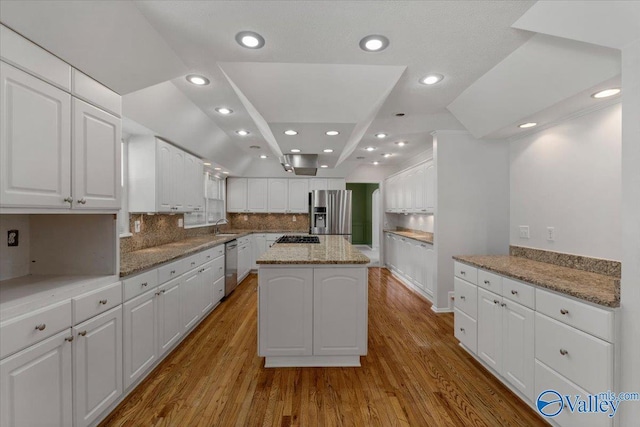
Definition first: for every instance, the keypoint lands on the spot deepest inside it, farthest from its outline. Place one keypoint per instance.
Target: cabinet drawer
(140, 284)
(519, 292)
(23, 331)
(465, 330)
(95, 302)
(582, 358)
(548, 379)
(218, 268)
(466, 272)
(466, 297)
(175, 269)
(490, 281)
(593, 320)
(216, 252)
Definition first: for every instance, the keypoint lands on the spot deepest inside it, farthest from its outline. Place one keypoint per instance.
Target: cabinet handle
(495, 301)
(82, 201)
(69, 338)
(208, 256)
(158, 293)
(563, 352)
(424, 246)
(172, 272)
(193, 263)
(503, 304)
(461, 329)
(564, 311)
(513, 292)
(41, 326)
(462, 297)
(103, 301)
(68, 200)
(83, 333)
(486, 282)
(463, 272)
(143, 284)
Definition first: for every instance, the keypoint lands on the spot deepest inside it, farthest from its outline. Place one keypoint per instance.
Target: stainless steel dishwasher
(231, 266)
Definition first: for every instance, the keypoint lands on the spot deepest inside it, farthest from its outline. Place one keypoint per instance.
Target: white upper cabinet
(288, 195)
(298, 195)
(411, 191)
(278, 195)
(35, 142)
(236, 194)
(317, 184)
(257, 194)
(336, 184)
(96, 158)
(430, 186)
(162, 177)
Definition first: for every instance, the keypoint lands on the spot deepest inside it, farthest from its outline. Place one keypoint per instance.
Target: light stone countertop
(330, 250)
(421, 236)
(596, 288)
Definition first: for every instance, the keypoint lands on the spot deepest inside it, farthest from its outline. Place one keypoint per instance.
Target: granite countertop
(421, 236)
(330, 250)
(596, 288)
(144, 259)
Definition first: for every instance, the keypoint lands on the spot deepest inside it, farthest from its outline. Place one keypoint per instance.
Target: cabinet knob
(514, 292)
(563, 352)
(69, 338)
(68, 200)
(486, 282)
(82, 201)
(172, 272)
(193, 263)
(503, 304)
(143, 284)
(463, 272)
(495, 301)
(41, 326)
(564, 311)
(103, 301)
(461, 329)
(82, 334)
(158, 293)
(462, 297)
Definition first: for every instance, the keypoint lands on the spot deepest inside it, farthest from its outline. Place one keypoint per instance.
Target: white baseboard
(441, 310)
(407, 284)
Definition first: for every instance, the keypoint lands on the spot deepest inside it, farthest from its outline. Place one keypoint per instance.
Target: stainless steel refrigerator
(330, 212)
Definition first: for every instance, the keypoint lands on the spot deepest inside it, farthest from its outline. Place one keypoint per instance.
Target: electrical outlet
(136, 226)
(524, 231)
(12, 237)
(180, 222)
(294, 219)
(246, 217)
(551, 234)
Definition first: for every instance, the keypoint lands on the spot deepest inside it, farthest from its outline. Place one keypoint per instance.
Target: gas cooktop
(298, 239)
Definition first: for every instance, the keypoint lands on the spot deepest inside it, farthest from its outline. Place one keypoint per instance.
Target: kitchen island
(312, 304)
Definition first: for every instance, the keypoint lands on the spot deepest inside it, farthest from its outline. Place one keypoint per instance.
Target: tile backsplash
(260, 221)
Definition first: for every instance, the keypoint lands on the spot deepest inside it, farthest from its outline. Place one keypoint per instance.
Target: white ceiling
(310, 74)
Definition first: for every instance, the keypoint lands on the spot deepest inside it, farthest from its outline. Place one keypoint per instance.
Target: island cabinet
(312, 315)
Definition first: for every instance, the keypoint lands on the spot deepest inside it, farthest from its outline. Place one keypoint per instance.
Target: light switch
(180, 222)
(136, 226)
(551, 234)
(294, 219)
(524, 231)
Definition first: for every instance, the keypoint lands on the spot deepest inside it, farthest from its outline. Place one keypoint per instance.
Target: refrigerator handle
(329, 215)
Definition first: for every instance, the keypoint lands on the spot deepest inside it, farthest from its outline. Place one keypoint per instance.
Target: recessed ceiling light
(295, 150)
(387, 155)
(527, 125)
(250, 39)
(324, 166)
(332, 132)
(224, 110)
(218, 169)
(328, 150)
(401, 143)
(376, 163)
(206, 164)
(374, 43)
(606, 93)
(225, 172)
(381, 135)
(242, 132)
(290, 132)
(370, 148)
(254, 147)
(431, 79)
(197, 80)
(263, 156)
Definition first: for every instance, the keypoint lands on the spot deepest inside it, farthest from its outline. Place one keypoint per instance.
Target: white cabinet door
(336, 184)
(244, 260)
(97, 366)
(207, 279)
(190, 179)
(285, 290)
(419, 201)
(140, 335)
(259, 247)
(388, 250)
(518, 363)
(257, 193)
(490, 329)
(218, 290)
(339, 311)
(236, 194)
(178, 181)
(170, 325)
(430, 187)
(35, 142)
(429, 266)
(191, 299)
(397, 255)
(278, 194)
(407, 188)
(164, 177)
(36, 385)
(317, 184)
(97, 158)
(299, 195)
(418, 255)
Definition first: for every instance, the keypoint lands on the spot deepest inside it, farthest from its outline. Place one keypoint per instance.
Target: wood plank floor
(414, 375)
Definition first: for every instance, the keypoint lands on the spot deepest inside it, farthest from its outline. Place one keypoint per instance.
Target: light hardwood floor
(414, 375)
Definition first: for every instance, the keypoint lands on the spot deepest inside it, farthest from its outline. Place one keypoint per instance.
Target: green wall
(361, 210)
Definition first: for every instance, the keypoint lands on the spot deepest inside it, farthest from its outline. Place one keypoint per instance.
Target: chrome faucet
(216, 228)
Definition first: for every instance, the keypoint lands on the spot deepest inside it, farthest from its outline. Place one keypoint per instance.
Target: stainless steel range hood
(300, 164)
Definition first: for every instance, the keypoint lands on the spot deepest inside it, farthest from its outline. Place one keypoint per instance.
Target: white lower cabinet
(140, 335)
(490, 329)
(170, 327)
(191, 296)
(97, 370)
(36, 385)
(412, 261)
(207, 280)
(518, 346)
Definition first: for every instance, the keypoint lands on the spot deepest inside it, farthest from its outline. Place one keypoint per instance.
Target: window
(214, 198)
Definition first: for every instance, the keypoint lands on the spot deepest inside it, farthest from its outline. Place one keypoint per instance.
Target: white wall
(630, 292)
(472, 203)
(14, 260)
(568, 177)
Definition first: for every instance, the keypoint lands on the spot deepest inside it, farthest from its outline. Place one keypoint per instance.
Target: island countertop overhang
(332, 250)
